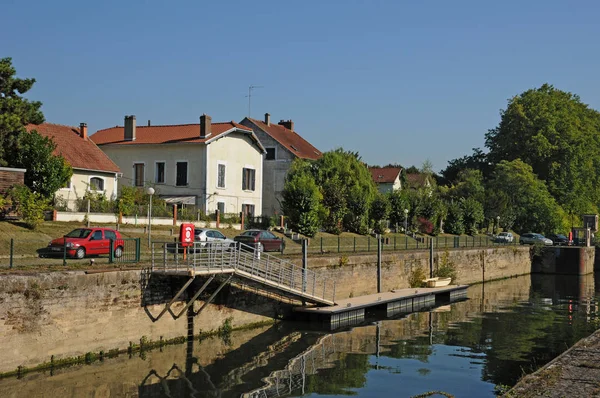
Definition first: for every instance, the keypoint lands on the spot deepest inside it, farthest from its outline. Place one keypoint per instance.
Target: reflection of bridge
(293, 377)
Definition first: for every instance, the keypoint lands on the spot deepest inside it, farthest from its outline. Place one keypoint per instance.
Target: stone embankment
(66, 314)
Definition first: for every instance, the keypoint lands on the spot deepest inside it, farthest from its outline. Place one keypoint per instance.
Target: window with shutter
(221, 176)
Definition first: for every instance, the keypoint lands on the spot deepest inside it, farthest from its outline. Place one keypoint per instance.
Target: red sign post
(186, 236)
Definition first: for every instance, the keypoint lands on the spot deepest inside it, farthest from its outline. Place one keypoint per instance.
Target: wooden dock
(400, 301)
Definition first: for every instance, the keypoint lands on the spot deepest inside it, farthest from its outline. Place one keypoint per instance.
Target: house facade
(92, 170)
(282, 145)
(208, 165)
(387, 179)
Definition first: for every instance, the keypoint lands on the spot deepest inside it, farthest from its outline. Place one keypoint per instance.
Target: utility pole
(250, 88)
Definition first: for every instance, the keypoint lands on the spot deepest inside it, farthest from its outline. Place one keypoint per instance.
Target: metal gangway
(229, 260)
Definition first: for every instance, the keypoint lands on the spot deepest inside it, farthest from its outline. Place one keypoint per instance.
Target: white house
(387, 179)
(210, 165)
(92, 169)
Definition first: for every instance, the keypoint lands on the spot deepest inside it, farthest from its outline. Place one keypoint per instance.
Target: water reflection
(466, 349)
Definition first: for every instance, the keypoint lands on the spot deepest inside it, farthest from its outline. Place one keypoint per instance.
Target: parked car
(262, 240)
(560, 240)
(82, 242)
(204, 236)
(504, 237)
(532, 239)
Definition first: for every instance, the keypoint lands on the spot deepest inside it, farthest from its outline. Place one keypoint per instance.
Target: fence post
(137, 250)
(12, 251)
(339, 243)
(111, 252)
(406, 242)
(355, 244)
(368, 243)
(379, 263)
(321, 244)
(394, 242)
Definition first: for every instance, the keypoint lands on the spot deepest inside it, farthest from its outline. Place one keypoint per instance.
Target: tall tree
(557, 135)
(302, 198)
(15, 111)
(526, 198)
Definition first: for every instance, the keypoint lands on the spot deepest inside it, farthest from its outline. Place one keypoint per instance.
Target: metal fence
(36, 252)
(358, 244)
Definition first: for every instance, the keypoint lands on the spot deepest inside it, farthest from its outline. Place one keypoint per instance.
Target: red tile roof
(289, 139)
(80, 153)
(417, 179)
(169, 134)
(385, 174)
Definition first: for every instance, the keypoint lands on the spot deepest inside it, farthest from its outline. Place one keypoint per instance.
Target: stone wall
(565, 260)
(359, 275)
(71, 313)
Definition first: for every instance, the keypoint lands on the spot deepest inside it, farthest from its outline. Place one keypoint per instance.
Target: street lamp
(405, 220)
(150, 192)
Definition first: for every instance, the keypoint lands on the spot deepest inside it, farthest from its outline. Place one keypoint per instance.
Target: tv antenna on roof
(250, 88)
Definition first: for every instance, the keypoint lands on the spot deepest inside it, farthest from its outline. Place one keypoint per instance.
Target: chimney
(205, 126)
(288, 124)
(83, 131)
(148, 122)
(268, 119)
(129, 131)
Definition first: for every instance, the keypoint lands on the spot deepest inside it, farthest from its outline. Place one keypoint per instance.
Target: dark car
(262, 240)
(560, 240)
(82, 242)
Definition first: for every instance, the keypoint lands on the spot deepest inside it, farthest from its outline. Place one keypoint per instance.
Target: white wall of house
(81, 182)
(126, 156)
(386, 187)
(235, 151)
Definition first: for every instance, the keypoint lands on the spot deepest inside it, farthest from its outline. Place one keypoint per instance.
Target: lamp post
(405, 221)
(498, 224)
(150, 192)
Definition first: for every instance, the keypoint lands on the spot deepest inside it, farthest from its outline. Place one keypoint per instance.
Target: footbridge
(224, 262)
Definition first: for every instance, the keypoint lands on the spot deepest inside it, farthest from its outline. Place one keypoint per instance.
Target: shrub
(29, 205)
(425, 226)
(416, 277)
(446, 268)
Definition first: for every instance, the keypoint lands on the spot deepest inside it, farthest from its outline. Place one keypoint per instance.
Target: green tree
(472, 214)
(455, 220)
(527, 197)
(302, 199)
(15, 111)
(347, 188)
(398, 203)
(555, 133)
(476, 161)
(380, 210)
(46, 172)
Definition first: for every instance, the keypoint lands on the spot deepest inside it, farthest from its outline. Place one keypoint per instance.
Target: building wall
(236, 151)
(125, 156)
(10, 177)
(80, 183)
(274, 172)
(389, 187)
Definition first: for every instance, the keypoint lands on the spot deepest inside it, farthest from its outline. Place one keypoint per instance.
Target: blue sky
(398, 81)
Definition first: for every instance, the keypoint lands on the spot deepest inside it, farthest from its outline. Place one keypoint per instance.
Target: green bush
(29, 205)
(416, 277)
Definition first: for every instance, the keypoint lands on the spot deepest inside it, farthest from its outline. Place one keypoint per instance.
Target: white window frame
(156, 171)
(224, 163)
(96, 190)
(143, 174)
(271, 147)
(187, 174)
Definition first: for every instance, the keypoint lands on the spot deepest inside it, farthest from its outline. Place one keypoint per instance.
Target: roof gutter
(97, 171)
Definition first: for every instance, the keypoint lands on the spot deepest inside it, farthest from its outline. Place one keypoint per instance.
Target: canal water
(472, 348)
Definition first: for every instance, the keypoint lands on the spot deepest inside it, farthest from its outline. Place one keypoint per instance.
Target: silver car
(532, 239)
(202, 236)
(504, 237)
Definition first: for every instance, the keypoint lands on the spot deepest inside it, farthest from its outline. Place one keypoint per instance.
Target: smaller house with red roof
(282, 144)
(208, 165)
(387, 179)
(92, 169)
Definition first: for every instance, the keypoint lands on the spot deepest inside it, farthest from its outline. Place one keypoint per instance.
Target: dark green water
(467, 349)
